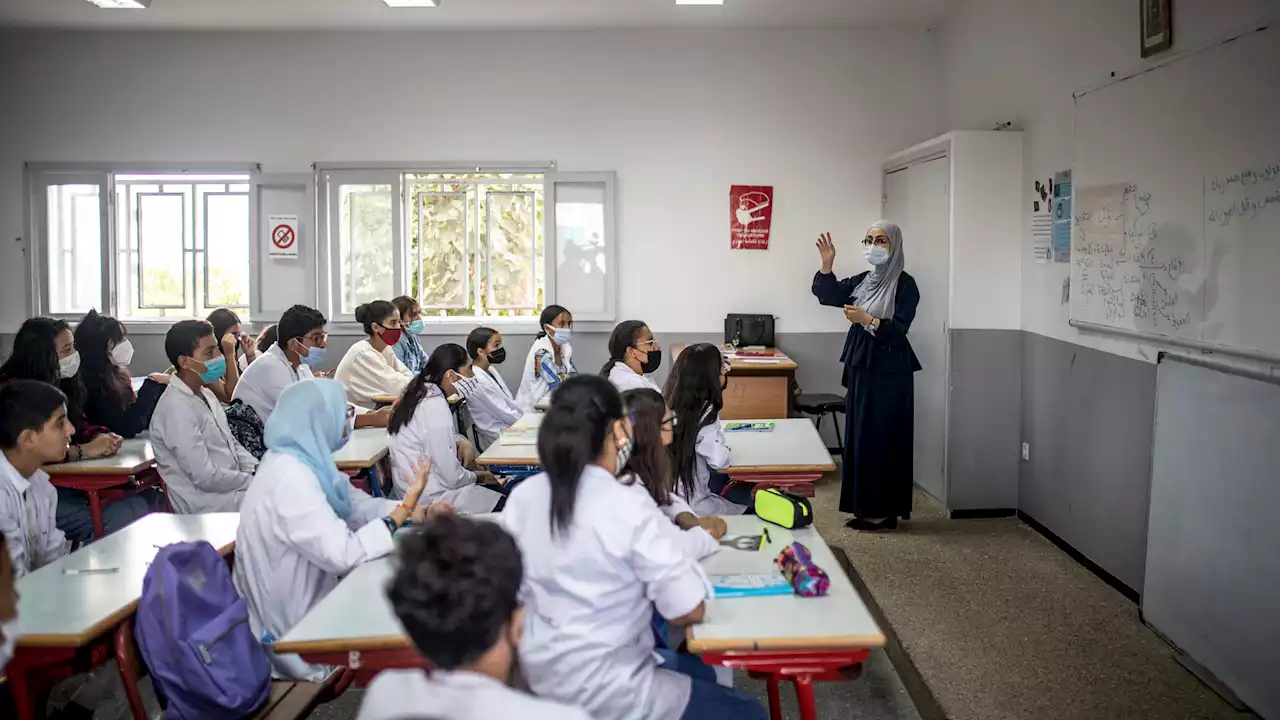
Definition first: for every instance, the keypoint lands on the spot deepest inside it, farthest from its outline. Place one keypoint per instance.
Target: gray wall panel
(985, 428)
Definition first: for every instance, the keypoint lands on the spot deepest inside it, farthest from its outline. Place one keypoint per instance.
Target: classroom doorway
(916, 198)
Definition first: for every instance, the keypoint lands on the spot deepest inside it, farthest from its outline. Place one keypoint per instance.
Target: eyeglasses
(669, 422)
(881, 240)
(320, 339)
(653, 344)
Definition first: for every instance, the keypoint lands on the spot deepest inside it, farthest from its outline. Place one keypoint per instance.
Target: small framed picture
(1157, 26)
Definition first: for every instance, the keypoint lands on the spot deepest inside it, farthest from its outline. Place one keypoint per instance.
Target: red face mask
(391, 336)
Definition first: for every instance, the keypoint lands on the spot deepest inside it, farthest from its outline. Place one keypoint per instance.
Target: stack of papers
(519, 436)
(749, 585)
(758, 426)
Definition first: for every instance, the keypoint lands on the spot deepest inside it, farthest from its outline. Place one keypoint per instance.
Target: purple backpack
(193, 632)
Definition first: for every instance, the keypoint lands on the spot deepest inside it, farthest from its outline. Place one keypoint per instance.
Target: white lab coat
(696, 542)
(624, 378)
(541, 374)
(712, 451)
(590, 593)
(365, 372)
(204, 468)
(430, 433)
(28, 519)
(262, 382)
(492, 407)
(455, 695)
(292, 548)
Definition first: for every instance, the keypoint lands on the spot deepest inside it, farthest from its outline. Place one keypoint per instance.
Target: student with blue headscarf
(302, 525)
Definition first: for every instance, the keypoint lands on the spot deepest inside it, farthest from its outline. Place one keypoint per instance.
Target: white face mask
(122, 354)
(875, 255)
(10, 630)
(69, 365)
(561, 336)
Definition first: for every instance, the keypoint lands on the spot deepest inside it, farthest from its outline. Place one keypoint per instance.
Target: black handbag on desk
(743, 330)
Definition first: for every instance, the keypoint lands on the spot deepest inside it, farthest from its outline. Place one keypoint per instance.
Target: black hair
(456, 586)
(267, 338)
(649, 460)
(446, 357)
(183, 337)
(296, 322)
(548, 316)
(222, 320)
(35, 357)
(404, 305)
(26, 405)
(572, 435)
(692, 389)
(97, 370)
(478, 340)
(374, 312)
(623, 337)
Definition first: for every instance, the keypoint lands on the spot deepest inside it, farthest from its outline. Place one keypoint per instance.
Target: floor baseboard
(983, 513)
(1079, 557)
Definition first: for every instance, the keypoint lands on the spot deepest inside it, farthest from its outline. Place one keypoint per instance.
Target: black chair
(820, 405)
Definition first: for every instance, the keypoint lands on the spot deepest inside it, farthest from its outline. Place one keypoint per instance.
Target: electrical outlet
(1026, 451)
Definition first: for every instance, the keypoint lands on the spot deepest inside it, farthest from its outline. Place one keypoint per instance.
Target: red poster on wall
(750, 216)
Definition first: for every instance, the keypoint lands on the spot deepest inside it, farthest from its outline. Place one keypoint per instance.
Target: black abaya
(879, 405)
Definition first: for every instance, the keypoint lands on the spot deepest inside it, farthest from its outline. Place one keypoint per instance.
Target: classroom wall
(1087, 401)
(679, 115)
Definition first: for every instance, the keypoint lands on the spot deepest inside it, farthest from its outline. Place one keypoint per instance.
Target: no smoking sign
(283, 240)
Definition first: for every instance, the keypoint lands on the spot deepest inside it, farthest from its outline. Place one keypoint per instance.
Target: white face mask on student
(69, 365)
(122, 354)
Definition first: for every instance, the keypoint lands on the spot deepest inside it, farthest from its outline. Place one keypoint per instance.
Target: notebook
(520, 436)
(749, 585)
(737, 427)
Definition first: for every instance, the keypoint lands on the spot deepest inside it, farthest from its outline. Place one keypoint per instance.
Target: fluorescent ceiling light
(411, 3)
(699, 2)
(122, 4)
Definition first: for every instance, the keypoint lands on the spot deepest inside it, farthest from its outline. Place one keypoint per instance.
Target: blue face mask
(314, 356)
(561, 336)
(214, 370)
(416, 327)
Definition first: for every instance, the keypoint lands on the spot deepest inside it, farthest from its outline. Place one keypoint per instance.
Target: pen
(89, 571)
(767, 539)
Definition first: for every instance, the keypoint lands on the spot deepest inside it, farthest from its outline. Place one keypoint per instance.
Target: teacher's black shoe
(868, 526)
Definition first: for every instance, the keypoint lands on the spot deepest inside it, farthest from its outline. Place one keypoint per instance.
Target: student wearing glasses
(370, 367)
(633, 357)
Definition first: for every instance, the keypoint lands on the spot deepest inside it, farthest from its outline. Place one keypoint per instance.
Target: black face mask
(652, 362)
(497, 356)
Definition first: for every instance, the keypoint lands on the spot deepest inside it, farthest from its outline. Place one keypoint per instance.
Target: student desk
(107, 479)
(543, 405)
(529, 420)
(70, 623)
(366, 448)
(784, 637)
(792, 456)
(519, 460)
(381, 401)
(758, 387)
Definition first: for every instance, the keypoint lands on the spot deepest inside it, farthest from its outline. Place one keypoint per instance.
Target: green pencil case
(783, 508)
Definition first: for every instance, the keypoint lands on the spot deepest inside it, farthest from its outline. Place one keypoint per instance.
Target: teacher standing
(878, 365)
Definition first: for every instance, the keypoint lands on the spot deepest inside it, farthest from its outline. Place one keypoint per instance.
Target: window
(140, 246)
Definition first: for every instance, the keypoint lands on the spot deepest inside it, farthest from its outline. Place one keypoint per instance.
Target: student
(45, 350)
(266, 339)
(370, 366)
(110, 401)
(34, 431)
(550, 360)
(456, 590)
(409, 351)
(599, 558)
(694, 390)
(492, 407)
(8, 605)
(204, 467)
(237, 348)
(299, 348)
(303, 526)
(633, 356)
(648, 469)
(422, 425)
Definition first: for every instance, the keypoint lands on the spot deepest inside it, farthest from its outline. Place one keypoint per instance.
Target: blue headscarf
(309, 423)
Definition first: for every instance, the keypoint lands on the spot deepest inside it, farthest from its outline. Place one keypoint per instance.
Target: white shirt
(454, 695)
(696, 542)
(28, 519)
(590, 593)
(711, 452)
(292, 548)
(624, 378)
(204, 468)
(492, 407)
(365, 372)
(262, 382)
(541, 373)
(430, 433)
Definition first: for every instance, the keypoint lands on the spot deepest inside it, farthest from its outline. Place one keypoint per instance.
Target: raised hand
(827, 251)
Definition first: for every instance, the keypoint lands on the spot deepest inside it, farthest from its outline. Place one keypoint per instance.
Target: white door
(917, 199)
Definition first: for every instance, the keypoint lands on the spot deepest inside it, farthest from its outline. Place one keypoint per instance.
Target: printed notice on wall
(1062, 216)
(1041, 233)
(750, 216)
(282, 238)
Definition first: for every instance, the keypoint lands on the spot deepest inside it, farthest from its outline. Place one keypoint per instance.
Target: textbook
(733, 427)
(520, 436)
(749, 585)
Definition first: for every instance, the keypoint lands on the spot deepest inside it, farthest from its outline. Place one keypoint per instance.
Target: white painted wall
(1020, 61)
(680, 115)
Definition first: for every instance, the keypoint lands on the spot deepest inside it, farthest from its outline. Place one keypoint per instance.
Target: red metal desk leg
(130, 668)
(804, 696)
(95, 509)
(775, 698)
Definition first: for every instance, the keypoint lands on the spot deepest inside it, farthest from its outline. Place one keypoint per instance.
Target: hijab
(309, 423)
(878, 290)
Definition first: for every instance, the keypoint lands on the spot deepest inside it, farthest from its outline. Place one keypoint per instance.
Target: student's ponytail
(572, 436)
(622, 338)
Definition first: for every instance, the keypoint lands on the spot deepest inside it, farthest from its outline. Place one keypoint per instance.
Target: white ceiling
(475, 14)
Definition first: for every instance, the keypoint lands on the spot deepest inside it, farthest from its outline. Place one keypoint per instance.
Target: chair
(820, 405)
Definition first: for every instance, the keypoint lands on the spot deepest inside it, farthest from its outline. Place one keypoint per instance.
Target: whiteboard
(1176, 171)
(1212, 583)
